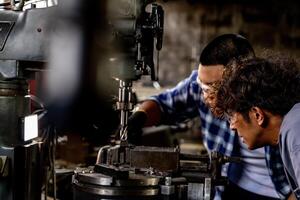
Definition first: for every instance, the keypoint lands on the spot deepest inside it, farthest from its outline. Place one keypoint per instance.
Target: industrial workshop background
(189, 25)
(92, 128)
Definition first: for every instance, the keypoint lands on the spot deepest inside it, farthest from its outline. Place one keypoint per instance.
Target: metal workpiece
(114, 154)
(147, 160)
(94, 178)
(165, 159)
(144, 171)
(141, 157)
(178, 176)
(119, 172)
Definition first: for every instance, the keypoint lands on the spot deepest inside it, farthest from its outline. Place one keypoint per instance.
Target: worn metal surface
(195, 191)
(94, 178)
(114, 191)
(24, 172)
(158, 158)
(112, 170)
(28, 35)
(13, 106)
(103, 185)
(137, 180)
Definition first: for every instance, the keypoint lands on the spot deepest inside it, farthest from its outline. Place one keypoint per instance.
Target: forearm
(292, 197)
(153, 112)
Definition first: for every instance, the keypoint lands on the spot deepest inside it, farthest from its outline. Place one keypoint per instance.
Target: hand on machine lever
(147, 114)
(135, 124)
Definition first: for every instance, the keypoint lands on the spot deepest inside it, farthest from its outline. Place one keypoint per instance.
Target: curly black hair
(273, 85)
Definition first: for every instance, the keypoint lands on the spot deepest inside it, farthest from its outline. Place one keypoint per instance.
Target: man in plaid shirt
(261, 178)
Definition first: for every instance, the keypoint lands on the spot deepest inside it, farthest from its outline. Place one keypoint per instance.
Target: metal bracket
(4, 169)
(207, 189)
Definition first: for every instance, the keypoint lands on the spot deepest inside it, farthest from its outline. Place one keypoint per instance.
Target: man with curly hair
(250, 179)
(262, 100)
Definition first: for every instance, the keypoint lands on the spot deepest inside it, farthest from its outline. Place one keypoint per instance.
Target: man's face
(252, 134)
(207, 75)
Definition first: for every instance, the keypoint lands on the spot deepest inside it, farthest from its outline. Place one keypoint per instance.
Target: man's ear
(258, 115)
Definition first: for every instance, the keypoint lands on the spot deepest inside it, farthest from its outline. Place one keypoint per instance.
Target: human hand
(134, 126)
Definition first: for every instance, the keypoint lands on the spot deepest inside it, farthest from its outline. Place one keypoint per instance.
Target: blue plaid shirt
(185, 102)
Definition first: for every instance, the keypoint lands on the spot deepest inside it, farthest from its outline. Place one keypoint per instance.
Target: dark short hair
(224, 48)
(273, 85)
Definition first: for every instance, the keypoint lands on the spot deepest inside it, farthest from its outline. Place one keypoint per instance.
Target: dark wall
(189, 25)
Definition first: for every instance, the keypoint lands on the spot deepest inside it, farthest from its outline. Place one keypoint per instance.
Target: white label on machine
(30, 127)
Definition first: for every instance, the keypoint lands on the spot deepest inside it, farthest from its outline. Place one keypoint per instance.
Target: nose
(208, 96)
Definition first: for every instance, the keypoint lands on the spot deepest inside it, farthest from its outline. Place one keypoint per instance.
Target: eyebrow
(208, 84)
(204, 86)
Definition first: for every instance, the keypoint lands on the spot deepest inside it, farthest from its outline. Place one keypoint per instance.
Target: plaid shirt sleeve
(180, 103)
(185, 101)
(276, 171)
